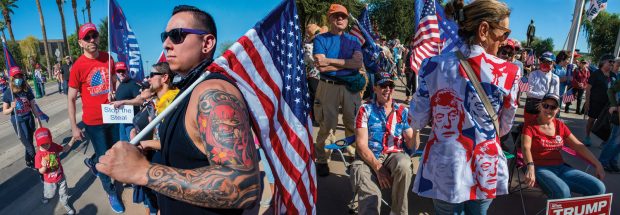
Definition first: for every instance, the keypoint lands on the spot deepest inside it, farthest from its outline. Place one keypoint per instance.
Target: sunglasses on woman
(507, 32)
(177, 35)
(390, 85)
(549, 107)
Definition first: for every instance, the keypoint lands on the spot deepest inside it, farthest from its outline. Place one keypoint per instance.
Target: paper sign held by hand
(113, 115)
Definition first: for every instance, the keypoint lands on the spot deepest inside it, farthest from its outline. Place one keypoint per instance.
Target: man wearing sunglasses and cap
(209, 163)
(91, 77)
(337, 55)
(381, 128)
(542, 82)
(127, 89)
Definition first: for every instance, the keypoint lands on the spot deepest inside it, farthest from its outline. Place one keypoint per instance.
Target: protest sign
(112, 115)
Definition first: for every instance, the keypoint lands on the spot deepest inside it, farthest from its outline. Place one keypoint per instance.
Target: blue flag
(124, 43)
(370, 50)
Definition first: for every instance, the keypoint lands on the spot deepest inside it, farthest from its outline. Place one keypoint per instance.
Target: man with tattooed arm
(209, 164)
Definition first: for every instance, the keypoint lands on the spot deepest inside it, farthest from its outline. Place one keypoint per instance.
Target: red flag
(162, 57)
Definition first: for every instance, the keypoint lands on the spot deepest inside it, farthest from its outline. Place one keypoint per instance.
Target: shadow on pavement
(18, 184)
(88, 209)
(81, 186)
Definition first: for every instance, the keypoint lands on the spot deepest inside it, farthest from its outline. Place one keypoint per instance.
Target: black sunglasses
(549, 107)
(177, 35)
(390, 85)
(153, 74)
(91, 36)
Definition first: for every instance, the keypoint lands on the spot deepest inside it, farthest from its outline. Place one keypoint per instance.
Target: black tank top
(178, 150)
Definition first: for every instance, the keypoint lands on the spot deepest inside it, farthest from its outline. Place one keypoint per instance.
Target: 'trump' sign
(600, 204)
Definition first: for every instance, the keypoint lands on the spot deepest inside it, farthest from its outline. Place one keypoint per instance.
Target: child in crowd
(47, 161)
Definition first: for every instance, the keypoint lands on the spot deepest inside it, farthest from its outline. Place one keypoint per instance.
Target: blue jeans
(26, 127)
(609, 154)
(102, 138)
(478, 207)
(124, 130)
(558, 182)
(65, 86)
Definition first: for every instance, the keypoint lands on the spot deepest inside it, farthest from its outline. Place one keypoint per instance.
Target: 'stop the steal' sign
(112, 115)
(599, 204)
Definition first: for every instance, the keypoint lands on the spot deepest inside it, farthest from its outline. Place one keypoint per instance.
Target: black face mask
(184, 82)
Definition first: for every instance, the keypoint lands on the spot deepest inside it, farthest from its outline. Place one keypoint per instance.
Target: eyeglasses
(93, 36)
(153, 74)
(497, 26)
(390, 85)
(549, 107)
(177, 35)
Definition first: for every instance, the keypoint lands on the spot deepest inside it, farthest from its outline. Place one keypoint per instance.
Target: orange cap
(336, 8)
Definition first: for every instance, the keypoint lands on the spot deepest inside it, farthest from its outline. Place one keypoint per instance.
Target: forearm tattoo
(231, 181)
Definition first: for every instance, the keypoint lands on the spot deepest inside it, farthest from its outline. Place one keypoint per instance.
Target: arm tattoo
(231, 181)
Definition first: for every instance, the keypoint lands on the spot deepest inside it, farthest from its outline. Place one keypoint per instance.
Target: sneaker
(587, 142)
(70, 211)
(116, 204)
(91, 166)
(44, 200)
(322, 169)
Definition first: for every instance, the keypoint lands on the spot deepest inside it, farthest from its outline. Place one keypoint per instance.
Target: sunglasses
(549, 107)
(390, 85)
(177, 35)
(507, 32)
(153, 74)
(93, 36)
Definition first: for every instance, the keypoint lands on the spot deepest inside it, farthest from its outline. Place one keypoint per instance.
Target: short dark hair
(164, 67)
(205, 20)
(562, 56)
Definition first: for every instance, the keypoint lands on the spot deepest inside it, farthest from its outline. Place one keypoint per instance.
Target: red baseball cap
(15, 71)
(120, 66)
(43, 136)
(88, 27)
(514, 44)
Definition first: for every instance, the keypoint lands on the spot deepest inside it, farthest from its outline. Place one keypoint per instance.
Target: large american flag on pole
(267, 65)
(434, 32)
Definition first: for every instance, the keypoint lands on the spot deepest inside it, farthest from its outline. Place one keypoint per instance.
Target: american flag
(267, 65)
(524, 86)
(362, 30)
(568, 97)
(434, 33)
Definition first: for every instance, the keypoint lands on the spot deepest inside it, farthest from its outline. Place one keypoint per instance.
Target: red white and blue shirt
(462, 159)
(385, 130)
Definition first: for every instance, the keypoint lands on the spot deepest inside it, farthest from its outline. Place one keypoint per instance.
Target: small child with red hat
(47, 161)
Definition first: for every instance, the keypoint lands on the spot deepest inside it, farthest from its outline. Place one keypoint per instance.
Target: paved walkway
(20, 189)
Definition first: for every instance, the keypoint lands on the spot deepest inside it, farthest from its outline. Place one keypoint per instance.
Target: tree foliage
(540, 46)
(103, 34)
(315, 11)
(74, 47)
(602, 33)
(29, 47)
(394, 18)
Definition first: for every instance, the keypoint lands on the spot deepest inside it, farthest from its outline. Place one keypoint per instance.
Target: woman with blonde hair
(18, 101)
(463, 168)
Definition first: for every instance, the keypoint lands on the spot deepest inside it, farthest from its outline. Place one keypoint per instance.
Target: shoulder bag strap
(483, 95)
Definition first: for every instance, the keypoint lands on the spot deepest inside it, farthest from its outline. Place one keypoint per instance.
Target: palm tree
(64, 28)
(47, 56)
(7, 9)
(88, 8)
(77, 25)
(2, 27)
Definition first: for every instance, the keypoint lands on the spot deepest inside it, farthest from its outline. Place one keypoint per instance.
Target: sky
(148, 19)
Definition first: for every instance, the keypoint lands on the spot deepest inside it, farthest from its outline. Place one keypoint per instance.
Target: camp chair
(341, 144)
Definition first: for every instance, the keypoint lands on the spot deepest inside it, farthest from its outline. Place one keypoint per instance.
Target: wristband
(530, 164)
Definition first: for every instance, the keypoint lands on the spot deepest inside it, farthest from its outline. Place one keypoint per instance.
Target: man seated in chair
(381, 127)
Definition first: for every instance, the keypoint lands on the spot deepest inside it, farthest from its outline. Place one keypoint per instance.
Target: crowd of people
(204, 158)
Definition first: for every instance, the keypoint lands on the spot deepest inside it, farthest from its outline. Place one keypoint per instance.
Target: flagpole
(168, 109)
(617, 49)
(577, 24)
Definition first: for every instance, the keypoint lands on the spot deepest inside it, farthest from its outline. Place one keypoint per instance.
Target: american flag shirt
(462, 159)
(385, 130)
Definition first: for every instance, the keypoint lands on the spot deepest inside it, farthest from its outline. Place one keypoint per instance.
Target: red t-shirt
(546, 149)
(54, 171)
(91, 77)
